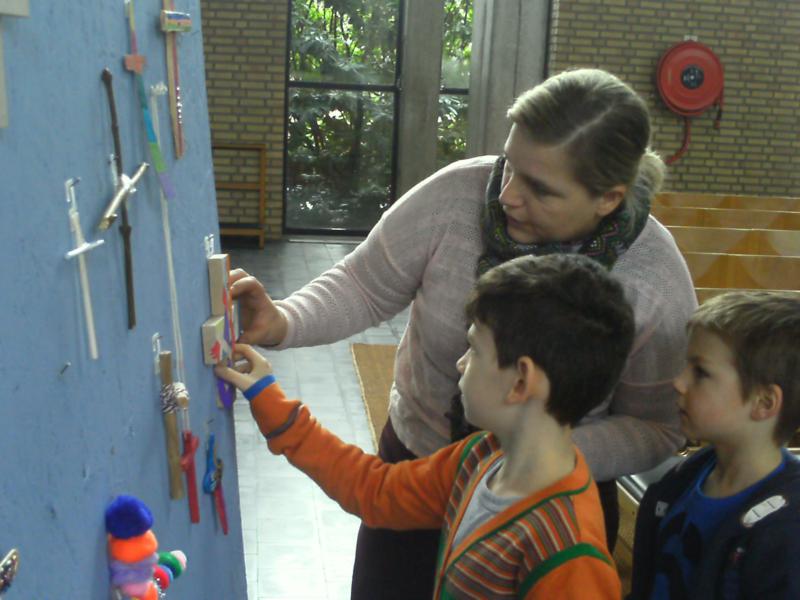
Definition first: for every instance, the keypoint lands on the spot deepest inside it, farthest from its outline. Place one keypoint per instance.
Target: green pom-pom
(173, 564)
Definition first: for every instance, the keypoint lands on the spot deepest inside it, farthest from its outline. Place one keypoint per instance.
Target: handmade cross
(135, 63)
(8, 569)
(81, 248)
(170, 394)
(155, 91)
(212, 482)
(125, 187)
(221, 330)
(190, 444)
(8, 8)
(173, 23)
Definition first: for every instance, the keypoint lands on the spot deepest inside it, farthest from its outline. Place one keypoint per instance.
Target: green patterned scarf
(614, 234)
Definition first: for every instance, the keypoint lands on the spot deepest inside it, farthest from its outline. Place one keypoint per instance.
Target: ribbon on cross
(135, 63)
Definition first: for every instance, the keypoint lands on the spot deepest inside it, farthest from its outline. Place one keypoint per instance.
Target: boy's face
(484, 385)
(711, 405)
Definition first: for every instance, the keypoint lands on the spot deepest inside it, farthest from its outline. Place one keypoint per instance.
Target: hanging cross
(8, 8)
(125, 187)
(212, 482)
(81, 247)
(173, 23)
(135, 63)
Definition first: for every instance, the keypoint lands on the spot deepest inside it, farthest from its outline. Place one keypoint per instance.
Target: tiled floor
(298, 543)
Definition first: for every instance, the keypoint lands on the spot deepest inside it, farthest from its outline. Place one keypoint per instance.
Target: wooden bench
(704, 294)
(689, 200)
(780, 242)
(727, 217)
(743, 271)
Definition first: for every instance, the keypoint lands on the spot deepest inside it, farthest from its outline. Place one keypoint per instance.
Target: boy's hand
(254, 368)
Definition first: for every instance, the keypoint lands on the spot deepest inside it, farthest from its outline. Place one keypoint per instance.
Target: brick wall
(245, 55)
(757, 149)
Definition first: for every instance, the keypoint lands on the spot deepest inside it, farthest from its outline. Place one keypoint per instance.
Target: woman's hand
(261, 321)
(253, 369)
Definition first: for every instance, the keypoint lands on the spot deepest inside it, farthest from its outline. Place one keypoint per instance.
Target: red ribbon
(190, 445)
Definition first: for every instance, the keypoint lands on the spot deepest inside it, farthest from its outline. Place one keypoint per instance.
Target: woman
(576, 176)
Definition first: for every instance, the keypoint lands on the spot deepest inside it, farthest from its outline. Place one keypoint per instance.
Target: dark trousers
(610, 503)
(401, 565)
(394, 565)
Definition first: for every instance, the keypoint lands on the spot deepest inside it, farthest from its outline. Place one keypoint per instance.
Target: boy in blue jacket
(726, 522)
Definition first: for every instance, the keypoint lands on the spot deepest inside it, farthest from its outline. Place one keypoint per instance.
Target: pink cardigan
(424, 251)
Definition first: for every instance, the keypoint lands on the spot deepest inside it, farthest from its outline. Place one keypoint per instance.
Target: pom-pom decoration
(162, 576)
(137, 570)
(128, 517)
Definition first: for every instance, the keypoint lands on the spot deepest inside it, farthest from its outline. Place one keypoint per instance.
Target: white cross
(8, 8)
(81, 248)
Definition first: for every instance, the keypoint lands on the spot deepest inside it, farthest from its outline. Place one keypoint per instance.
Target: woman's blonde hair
(603, 125)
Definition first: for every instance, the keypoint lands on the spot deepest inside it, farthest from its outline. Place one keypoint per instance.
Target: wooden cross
(8, 8)
(173, 23)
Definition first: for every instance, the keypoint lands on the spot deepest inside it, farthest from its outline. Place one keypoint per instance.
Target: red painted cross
(190, 445)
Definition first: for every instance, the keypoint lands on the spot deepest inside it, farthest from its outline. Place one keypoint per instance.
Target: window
(342, 101)
(454, 93)
(342, 108)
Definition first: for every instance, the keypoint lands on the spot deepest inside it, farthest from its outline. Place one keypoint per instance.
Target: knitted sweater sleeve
(581, 578)
(379, 278)
(406, 495)
(642, 427)
(639, 427)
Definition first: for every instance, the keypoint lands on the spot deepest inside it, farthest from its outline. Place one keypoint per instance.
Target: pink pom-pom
(136, 590)
(150, 594)
(180, 556)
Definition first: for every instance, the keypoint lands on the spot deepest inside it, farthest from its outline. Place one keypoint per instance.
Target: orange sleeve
(582, 578)
(407, 495)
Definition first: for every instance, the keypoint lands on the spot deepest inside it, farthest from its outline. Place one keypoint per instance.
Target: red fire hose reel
(690, 80)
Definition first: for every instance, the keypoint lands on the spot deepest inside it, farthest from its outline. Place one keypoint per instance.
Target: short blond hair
(762, 330)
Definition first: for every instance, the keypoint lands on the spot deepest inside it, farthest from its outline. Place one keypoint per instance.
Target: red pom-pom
(161, 576)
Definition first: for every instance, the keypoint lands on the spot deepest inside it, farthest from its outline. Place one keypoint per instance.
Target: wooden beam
(8, 8)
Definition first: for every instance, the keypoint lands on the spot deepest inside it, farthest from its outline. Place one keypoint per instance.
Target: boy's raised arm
(406, 495)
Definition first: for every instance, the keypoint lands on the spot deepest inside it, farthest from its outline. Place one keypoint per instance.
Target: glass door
(341, 114)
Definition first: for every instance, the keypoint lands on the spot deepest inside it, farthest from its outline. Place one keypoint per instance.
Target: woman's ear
(768, 402)
(531, 382)
(609, 201)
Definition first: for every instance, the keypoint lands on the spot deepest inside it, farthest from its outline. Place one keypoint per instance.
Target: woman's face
(542, 200)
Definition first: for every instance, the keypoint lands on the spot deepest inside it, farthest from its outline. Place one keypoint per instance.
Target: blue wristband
(255, 389)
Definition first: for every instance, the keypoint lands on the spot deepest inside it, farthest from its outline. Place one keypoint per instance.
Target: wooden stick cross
(173, 23)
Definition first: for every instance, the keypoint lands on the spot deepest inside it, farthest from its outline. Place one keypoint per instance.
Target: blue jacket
(752, 555)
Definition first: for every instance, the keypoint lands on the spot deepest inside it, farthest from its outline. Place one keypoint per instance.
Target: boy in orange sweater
(519, 512)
